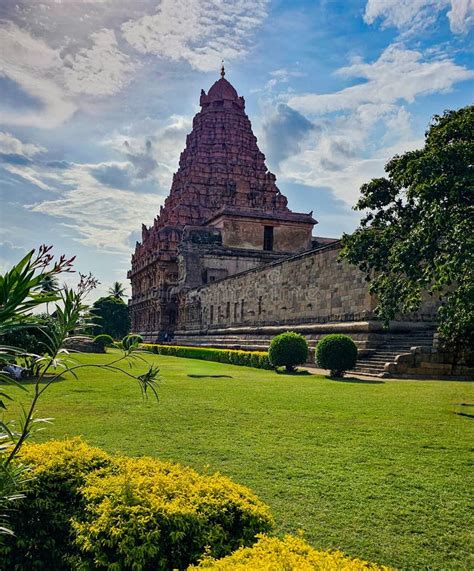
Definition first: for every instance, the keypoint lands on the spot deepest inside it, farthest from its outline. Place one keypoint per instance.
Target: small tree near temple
(117, 290)
(336, 352)
(418, 231)
(110, 315)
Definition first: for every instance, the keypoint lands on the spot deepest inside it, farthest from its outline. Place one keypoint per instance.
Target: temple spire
(222, 70)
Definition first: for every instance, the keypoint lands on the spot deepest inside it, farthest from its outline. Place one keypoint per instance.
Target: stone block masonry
(313, 287)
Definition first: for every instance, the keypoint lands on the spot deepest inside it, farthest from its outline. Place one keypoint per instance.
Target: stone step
(364, 368)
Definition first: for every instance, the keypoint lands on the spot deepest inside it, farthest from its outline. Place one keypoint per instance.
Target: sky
(97, 96)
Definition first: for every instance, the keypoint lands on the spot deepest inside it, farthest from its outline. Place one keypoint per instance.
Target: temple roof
(222, 89)
(286, 216)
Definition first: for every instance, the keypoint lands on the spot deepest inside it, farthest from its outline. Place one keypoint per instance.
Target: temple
(224, 214)
(228, 264)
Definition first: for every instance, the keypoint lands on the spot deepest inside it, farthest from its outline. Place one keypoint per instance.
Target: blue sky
(97, 97)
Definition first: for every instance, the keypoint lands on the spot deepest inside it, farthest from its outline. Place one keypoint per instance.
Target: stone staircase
(372, 361)
(374, 351)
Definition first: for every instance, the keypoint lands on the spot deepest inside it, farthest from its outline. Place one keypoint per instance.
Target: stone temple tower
(224, 214)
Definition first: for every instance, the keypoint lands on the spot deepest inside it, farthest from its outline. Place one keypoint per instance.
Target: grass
(380, 470)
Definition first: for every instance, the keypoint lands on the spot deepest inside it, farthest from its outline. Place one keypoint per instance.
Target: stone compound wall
(308, 288)
(427, 363)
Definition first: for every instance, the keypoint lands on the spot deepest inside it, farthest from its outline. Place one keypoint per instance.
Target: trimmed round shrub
(287, 553)
(288, 349)
(336, 352)
(84, 509)
(130, 340)
(103, 340)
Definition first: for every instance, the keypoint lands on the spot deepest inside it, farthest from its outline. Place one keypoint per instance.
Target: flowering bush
(256, 359)
(290, 553)
(86, 509)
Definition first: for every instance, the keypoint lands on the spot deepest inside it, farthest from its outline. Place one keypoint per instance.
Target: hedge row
(290, 553)
(256, 359)
(85, 509)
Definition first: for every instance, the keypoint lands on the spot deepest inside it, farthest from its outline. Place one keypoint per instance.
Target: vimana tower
(224, 215)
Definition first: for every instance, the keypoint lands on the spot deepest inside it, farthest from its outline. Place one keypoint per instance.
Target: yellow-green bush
(85, 509)
(288, 554)
(159, 515)
(256, 359)
(41, 521)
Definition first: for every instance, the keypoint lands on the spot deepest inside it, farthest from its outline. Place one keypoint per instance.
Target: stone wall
(202, 258)
(309, 288)
(429, 363)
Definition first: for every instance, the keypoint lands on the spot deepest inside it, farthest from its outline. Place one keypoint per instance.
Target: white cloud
(281, 75)
(102, 216)
(201, 32)
(155, 143)
(344, 152)
(101, 70)
(32, 65)
(368, 122)
(56, 83)
(398, 74)
(10, 145)
(410, 16)
(461, 16)
(30, 174)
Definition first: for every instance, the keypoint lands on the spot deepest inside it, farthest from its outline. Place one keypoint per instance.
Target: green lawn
(378, 469)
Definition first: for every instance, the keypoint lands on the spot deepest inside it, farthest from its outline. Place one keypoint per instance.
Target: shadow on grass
(297, 373)
(465, 414)
(355, 380)
(462, 413)
(211, 376)
(34, 380)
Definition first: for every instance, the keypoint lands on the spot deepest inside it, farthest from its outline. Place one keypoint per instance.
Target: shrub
(157, 515)
(338, 353)
(103, 340)
(257, 359)
(85, 509)
(288, 553)
(41, 521)
(130, 340)
(288, 349)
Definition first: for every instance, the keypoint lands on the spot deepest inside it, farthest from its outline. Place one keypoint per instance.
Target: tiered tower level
(222, 182)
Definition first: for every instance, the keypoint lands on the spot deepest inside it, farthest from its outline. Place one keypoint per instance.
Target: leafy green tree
(417, 234)
(110, 314)
(117, 290)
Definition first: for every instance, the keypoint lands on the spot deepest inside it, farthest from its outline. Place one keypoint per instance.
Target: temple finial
(222, 70)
